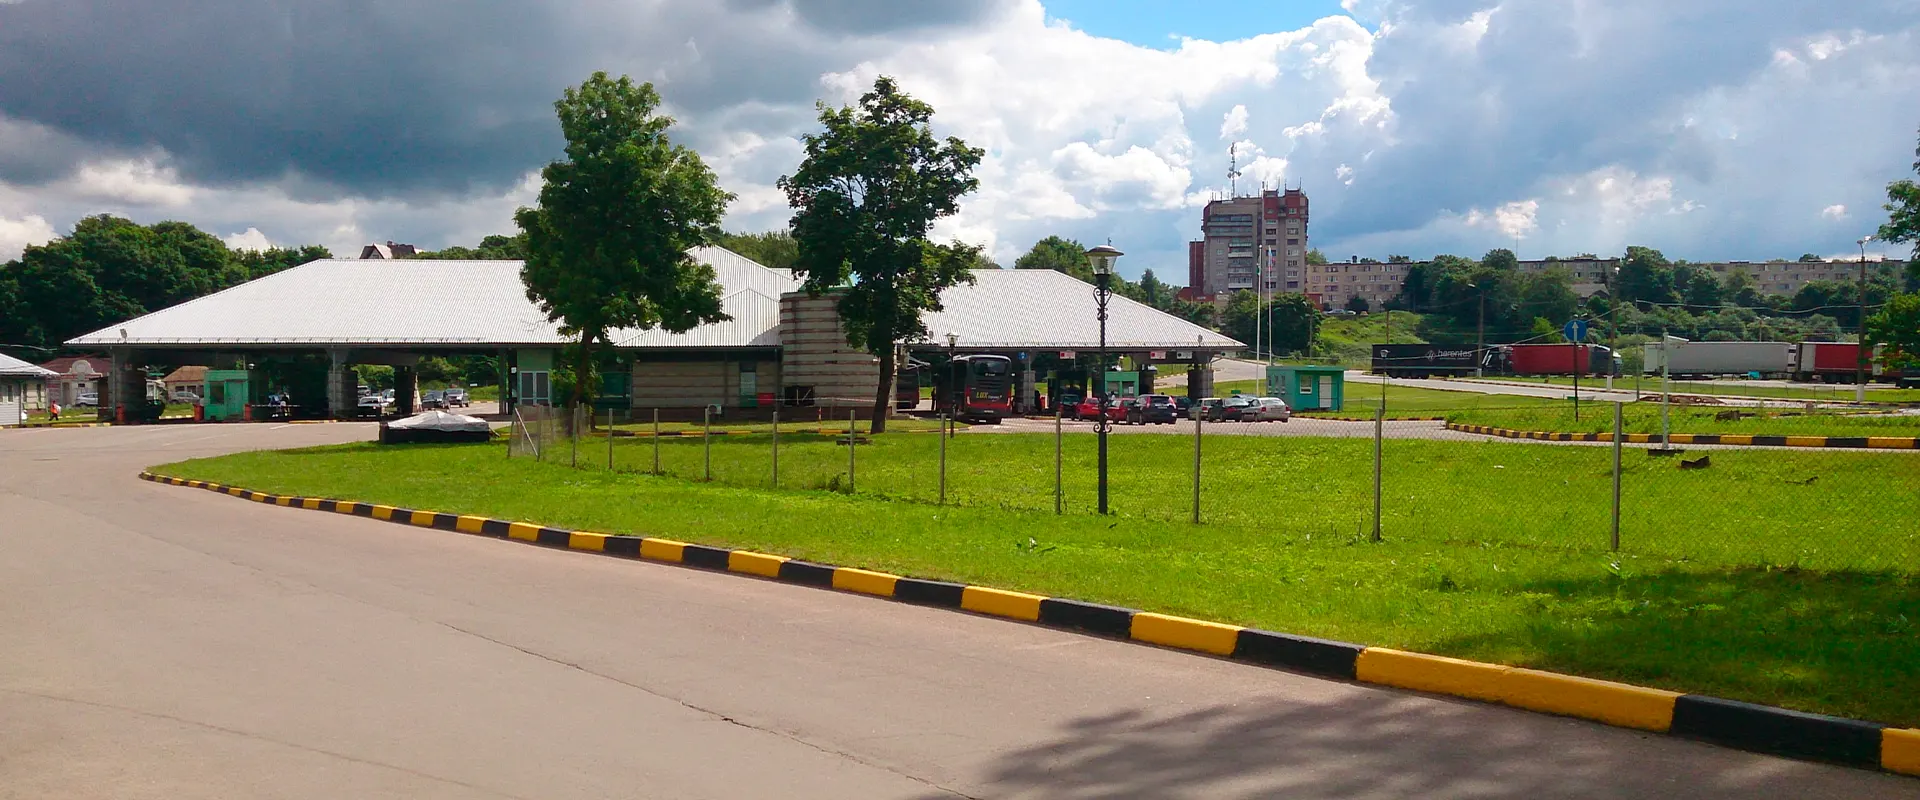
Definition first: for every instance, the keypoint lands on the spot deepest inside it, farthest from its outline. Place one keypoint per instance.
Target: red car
(1089, 409)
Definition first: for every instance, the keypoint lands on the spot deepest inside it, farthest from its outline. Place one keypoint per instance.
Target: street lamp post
(1860, 358)
(953, 392)
(1101, 258)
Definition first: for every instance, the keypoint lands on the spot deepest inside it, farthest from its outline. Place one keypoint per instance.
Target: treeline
(110, 269)
(1647, 297)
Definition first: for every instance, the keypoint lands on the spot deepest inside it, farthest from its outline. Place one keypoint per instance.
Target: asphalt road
(159, 642)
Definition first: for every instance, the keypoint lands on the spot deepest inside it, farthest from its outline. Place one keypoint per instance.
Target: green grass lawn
(1650, 384)
(1644, 417)
(1493, 551)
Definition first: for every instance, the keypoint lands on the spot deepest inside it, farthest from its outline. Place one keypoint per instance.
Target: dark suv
(1157, 409)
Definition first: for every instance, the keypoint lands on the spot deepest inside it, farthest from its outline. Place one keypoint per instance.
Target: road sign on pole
(1575, 330)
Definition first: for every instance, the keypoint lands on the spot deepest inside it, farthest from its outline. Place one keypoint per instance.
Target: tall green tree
(867, 193)
(1500, 259)
(776, 249)
(607, 245)
(1646, 277)
(1059, 254)
(1288, 325)
(1316, 257)
(1903, 212)
(1153, 291)
(1897, 325)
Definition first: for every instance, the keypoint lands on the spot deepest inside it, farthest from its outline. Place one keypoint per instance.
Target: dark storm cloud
(397, 98)
(876, 16)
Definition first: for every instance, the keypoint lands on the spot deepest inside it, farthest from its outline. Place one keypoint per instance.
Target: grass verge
(1493, 551)
(1651, 385)
(1644, 417)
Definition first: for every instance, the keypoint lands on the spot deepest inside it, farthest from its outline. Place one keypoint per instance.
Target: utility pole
(1860, 358)
(1480, 337)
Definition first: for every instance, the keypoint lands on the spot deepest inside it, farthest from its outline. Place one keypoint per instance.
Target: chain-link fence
(1502, 472)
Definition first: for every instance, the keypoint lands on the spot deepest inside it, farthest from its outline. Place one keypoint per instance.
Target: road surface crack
(718, 716)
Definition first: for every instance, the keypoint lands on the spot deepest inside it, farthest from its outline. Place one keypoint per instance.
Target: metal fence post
(656, 441)
(1059, 498)
(706, 441)
(573, 437)
(1379, 436)
(851, 420)
(1618, 426)
(609, 438)
(1197, 423)
(776, 446)
(943, 458)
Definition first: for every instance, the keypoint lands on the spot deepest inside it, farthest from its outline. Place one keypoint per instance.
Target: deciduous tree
(607, 245)
(867, 193)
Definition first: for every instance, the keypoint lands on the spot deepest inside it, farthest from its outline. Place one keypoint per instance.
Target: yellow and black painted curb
(1744, 726)
(1751, 440)
(44, 424)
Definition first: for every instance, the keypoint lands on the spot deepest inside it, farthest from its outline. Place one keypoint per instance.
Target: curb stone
(1730, 723)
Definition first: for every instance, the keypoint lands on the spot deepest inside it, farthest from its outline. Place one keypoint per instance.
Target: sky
(1709, 129)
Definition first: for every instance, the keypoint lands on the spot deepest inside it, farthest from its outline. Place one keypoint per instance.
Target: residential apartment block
(1258, 243)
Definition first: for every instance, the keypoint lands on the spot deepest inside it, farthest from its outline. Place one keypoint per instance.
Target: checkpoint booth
(1307, 388)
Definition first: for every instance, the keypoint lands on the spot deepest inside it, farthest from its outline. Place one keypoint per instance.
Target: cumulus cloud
(1514, 220)
(249, 239)
(1416, 126)
(19, 234)
(1235, 123)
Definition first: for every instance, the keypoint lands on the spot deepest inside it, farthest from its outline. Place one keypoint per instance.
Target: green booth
(1308, 388)
(228, 392)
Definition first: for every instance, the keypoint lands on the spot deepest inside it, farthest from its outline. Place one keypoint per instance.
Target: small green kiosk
(1308, 388)
(229, 391)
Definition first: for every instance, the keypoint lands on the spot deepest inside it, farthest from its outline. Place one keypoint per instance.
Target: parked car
(372, 403)
(1232, 409)
(88, 399)
(1155, 409)
(1203, 408)
(433, 399)
(184, 395)
(457, 398)
(1089, 409)
(1268, 409)
(1184, 405)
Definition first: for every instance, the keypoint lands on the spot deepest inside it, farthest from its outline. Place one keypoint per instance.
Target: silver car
(1268, 409)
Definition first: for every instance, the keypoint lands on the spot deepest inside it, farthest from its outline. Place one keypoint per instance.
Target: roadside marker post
(776, 445)
(1059, 498)
(656, 442)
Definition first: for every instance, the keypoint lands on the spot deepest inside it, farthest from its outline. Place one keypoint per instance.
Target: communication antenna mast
(1233, 170)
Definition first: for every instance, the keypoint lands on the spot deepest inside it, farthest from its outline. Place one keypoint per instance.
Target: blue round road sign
(1576, 330)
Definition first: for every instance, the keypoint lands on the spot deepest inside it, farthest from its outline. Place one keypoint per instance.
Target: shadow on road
(1370, 746)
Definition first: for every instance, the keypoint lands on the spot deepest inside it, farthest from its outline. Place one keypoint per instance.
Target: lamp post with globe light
(1101, 258)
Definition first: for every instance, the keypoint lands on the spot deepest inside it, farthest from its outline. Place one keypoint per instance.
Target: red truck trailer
(1831, 362)
(1559, 359)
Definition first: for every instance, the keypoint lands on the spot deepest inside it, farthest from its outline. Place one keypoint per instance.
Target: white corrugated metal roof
(15, 368)
(484, 304)
(408, 301)
(1047, 310)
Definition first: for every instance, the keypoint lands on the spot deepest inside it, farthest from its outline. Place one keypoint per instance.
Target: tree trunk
(883, 396)
(582, 373)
